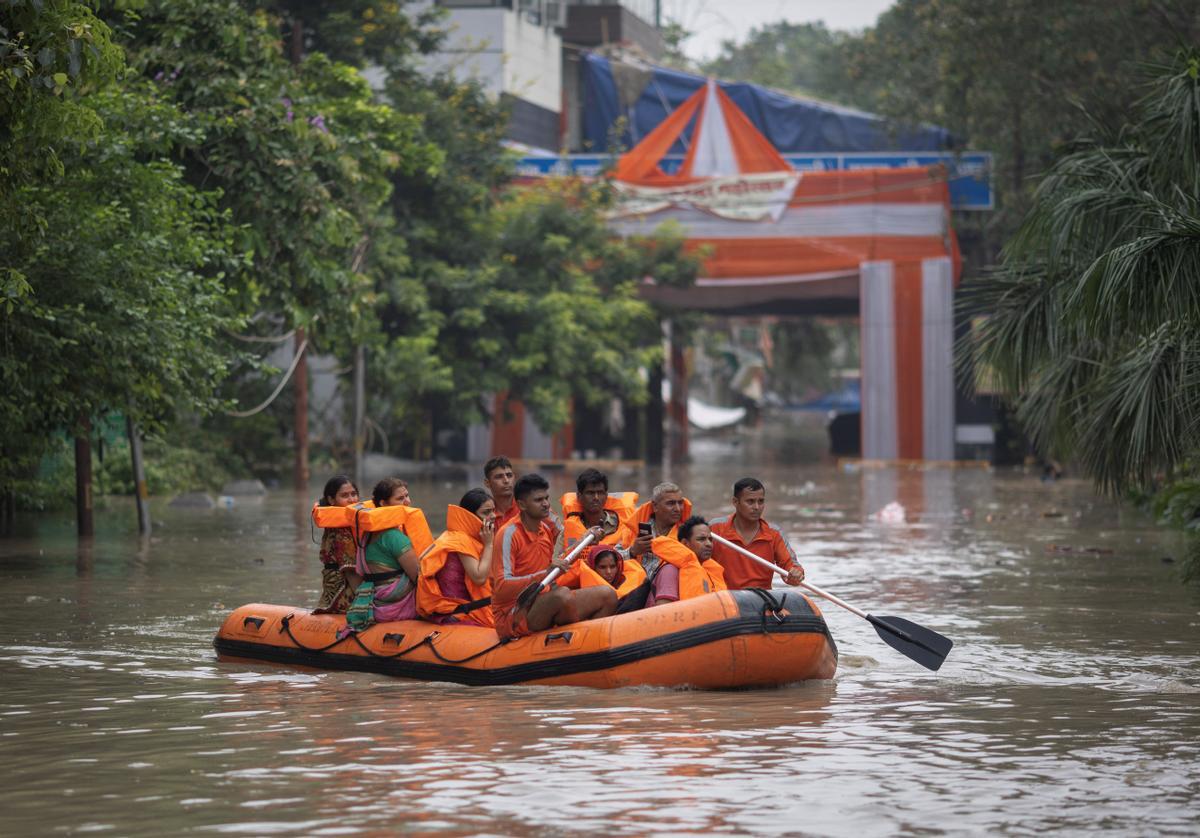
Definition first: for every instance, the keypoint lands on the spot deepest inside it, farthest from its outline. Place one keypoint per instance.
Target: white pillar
(877, 309)
(937, 358)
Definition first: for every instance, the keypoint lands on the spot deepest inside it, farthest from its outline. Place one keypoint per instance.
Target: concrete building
(525, 52)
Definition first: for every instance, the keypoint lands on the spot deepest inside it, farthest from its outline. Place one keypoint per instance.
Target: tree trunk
(654, 417)
(140, 493)
(301, 415)
(297, 45)
(677, 422)
(84, 519)
(631, 441)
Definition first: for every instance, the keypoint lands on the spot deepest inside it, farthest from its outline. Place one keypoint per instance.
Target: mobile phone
(645, 528)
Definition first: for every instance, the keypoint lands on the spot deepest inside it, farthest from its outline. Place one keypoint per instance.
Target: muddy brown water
(1071, 701)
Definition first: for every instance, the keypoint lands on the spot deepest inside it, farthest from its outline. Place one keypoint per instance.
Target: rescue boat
(725, 640)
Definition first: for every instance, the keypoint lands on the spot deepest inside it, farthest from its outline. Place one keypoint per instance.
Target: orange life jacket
(645, 513)
(461, 536)
(695, 579)
(624, 504)
(364, 518)
(629, 575)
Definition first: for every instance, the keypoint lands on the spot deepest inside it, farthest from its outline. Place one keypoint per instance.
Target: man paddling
(748, 529)
(499, 478)
(526, 556)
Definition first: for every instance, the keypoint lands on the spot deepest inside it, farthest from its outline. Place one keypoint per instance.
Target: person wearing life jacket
(748, 529)
(658, 518)
(455, 584)
(388, 566)
(400, 495)
(585, 509)
(527, 552)
(625, 576)
(688, 570)
(338, 577)
(607, 563)
(499, 479)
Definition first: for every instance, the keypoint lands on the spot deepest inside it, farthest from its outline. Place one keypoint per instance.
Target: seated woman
(455, 581)
(388, 566)
(338, 576)
(399, 496)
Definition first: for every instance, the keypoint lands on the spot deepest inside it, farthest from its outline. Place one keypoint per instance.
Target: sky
(714, 21)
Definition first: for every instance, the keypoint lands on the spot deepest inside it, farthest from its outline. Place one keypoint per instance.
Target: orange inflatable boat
(731, 639)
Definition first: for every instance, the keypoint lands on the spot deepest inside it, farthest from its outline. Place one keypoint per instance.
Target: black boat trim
(751, 619)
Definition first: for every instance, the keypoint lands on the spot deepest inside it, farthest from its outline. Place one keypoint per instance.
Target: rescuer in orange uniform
(747, 528)
(527, 553)
(498, 479)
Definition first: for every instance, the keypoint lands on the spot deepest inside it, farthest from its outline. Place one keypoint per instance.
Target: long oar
(608, 525)
(923, 645)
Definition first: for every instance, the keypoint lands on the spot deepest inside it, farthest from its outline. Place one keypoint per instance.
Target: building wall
(504, 52)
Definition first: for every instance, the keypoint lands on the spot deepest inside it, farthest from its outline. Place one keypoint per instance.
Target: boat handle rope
(777, 610)
(427, 640)
(285, 627)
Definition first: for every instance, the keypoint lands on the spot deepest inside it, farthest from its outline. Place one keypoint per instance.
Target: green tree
(1010, 76)
(52, 54)
(126, 310)
(1092, 318)
(802, 57)
(303, 154)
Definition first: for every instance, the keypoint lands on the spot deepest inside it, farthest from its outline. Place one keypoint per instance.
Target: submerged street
(1070, 701)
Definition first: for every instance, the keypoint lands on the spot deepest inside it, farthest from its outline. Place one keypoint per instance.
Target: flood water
(1070, 702)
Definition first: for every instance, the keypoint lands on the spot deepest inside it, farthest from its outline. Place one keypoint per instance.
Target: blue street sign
(970, 172)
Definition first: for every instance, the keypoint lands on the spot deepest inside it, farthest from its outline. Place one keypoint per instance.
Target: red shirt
(522, 553)
(741, 572)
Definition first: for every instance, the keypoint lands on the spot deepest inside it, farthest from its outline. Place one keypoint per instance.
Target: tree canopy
(181, 173)
(1090, 322)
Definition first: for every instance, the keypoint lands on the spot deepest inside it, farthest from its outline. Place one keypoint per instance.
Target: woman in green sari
(389, 567)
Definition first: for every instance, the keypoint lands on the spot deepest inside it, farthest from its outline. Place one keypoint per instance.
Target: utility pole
(360, 399)
(300, 423)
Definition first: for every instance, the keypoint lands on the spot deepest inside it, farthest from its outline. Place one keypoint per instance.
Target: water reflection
(1070, 701)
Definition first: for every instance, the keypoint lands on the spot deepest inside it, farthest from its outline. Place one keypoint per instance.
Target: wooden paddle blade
(923, 645)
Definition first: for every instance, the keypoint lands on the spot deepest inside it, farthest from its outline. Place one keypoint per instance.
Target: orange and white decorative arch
(881, 236)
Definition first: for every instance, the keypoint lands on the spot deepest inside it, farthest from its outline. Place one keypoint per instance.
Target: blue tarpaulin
(792, 124)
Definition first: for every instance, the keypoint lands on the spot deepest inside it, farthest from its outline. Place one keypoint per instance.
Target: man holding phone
(659, 518)
(660, 515)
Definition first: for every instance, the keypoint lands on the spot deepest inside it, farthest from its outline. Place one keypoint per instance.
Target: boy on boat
(526, 556)
(747, 528)
(499, 478)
